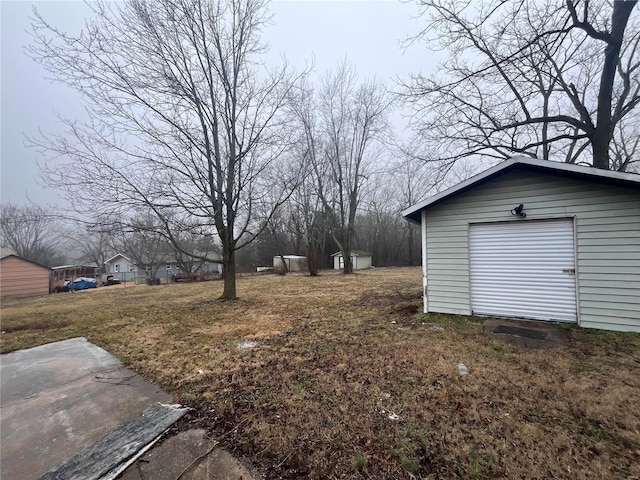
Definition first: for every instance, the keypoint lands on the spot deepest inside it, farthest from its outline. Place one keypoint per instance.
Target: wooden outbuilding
(20, 277)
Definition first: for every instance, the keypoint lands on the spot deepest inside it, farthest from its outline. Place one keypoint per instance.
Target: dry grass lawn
(347, 380)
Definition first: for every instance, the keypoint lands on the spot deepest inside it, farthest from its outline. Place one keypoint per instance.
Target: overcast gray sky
(369, 33)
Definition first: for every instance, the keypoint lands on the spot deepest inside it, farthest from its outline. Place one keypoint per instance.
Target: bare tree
(625, 147)
(343, 125)
(411, 182)
(545, 79)
(33, 233)
(194, 248)
(183, 119)
(314, 222)
(95, 240)
(310, 215)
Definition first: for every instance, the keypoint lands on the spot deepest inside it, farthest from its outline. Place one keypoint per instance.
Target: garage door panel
(523, 269)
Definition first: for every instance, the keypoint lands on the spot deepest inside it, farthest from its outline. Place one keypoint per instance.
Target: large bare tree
(553, 80)
(183, 119)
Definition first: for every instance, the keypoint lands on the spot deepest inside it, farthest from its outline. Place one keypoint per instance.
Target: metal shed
(359, 259)
(294, 263)
(535, 239)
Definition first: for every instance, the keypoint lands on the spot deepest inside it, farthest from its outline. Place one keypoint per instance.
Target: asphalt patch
(521, 332)
(527, 333)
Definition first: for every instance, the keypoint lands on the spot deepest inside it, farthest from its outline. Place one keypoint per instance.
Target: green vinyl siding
(447, 265)
(607, 236)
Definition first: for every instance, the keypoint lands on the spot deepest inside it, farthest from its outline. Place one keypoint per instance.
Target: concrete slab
(110, 456)
(193, 457)
(59, 398)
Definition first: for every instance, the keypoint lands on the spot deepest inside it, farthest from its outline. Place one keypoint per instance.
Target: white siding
(358, 262)
(607, 220)
(294, 263)
(361, 262)
(523, 269)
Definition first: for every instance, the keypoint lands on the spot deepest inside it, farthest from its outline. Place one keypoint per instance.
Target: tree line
(187, 125)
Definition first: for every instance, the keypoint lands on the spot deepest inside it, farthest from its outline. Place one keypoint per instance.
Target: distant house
(535, 239)
(122, 268)
(209, 268)
(187, 264)
(359, 259)
(20, 277)
(294, 263)
(202, 267)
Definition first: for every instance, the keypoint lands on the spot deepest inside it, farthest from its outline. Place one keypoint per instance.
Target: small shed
(535, 239)
(20, 277)
(294, 263)
(359, 259)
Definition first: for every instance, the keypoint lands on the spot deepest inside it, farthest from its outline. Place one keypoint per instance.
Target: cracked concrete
(59, 398)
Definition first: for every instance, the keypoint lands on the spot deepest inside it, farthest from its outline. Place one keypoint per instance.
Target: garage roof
(7, 252)
(526, 163)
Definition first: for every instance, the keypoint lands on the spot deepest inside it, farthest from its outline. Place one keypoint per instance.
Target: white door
(523, 269)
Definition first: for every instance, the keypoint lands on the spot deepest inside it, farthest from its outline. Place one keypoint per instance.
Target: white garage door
(523, 269)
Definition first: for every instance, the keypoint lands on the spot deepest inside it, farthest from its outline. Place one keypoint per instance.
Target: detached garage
(535, 239)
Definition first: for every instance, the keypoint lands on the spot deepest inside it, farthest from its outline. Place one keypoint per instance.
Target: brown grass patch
(347, 380)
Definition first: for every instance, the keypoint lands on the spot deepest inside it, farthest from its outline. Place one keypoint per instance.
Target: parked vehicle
(186, 277)
(82, 283)
(111, 280)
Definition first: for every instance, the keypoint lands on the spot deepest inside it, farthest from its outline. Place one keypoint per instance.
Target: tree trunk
(283, 271)
(313, 258)
(229, 275)
(346, 255)
(604, 127)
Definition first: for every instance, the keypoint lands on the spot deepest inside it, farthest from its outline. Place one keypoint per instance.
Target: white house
(359, 259)
(535, 239)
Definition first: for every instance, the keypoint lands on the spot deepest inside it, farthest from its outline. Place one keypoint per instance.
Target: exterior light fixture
(518, 211)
